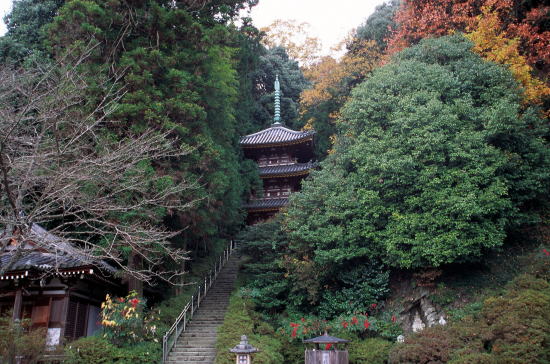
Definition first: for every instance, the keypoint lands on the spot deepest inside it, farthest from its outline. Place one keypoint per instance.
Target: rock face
(420, 312)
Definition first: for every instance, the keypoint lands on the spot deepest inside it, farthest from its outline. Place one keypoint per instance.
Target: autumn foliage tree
(294, 37)
(490, 42)
(332, 82)
(428, 18)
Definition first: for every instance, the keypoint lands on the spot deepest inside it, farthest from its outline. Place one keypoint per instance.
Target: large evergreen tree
(435, 162)
(25, 36)
(178, 65)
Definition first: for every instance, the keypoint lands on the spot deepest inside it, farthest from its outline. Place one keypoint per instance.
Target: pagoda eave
(285, 175)
(270, 145)
(270, 209)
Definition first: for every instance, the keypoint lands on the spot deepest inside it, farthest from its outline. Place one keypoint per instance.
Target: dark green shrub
(17, 339)
(91, 350)
(369, 351)
(432, 346)
(241, 319)
(97, 350)
(477, 358)
(143, 353)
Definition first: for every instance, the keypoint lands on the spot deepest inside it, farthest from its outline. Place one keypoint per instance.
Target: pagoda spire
(277, 117)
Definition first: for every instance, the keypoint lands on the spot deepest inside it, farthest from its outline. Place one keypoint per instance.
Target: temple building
(55, 286)
(284, 159)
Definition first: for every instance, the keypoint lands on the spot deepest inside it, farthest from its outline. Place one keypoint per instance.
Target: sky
(330, 20)
(5, 7)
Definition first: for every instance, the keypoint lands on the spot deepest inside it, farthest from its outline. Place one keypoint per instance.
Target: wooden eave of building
(284, 171)
(266, 205)
(276, 135)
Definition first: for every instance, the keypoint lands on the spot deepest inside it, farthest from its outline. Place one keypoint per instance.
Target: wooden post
(18, 304)
(64, 313)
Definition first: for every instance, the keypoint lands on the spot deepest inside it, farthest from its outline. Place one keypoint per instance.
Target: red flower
(293, 332)
(373, 306)
(134, 302)
(546, 252)
(366, 324)
(303, 319)
(328, 346)
(295, 329)
(345, 324)
(120, 299)
(294, 325)
(354, 320)
(393, 318)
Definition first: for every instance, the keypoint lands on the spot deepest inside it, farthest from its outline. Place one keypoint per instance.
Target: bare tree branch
(66, 165)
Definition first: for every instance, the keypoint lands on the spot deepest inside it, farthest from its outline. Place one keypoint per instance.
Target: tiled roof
(266, 204)
(288, 169)
(275, 135)
(52, 254)
(44, 262)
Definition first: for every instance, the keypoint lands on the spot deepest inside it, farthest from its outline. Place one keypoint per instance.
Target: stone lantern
(326, 350)
(243, 351)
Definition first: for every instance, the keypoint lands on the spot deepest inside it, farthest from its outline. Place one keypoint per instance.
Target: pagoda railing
(179, 326)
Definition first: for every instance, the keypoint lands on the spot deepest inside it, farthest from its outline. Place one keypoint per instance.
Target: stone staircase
(197, 344)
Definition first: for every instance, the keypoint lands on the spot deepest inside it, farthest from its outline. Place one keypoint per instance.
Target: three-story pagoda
(284, 159)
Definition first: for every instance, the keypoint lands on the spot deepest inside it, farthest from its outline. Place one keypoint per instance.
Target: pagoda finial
(277, 118)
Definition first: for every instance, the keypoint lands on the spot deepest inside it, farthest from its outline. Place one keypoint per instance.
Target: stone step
(201, 330)
(192, 350)
(193, 357)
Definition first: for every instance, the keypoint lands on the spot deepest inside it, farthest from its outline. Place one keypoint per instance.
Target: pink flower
(546, 252)
(303, 319)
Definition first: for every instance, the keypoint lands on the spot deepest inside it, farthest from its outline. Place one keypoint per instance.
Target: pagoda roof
(276, 134)
(287, 170)
(266, 204)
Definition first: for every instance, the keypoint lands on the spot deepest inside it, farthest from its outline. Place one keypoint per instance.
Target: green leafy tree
(435, 162)
(275, 61)
(25, 37)
(379, 25)
(178, 70)
(265, 244)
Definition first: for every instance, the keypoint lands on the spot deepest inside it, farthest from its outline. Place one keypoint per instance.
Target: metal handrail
(178, 327)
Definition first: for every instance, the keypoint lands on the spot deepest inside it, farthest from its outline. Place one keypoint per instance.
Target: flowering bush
(377, 323)
(123, 319)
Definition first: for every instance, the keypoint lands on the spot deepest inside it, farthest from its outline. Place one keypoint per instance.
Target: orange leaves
(491, 43)
(504, 31)
(427, 18)
(332, 79)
